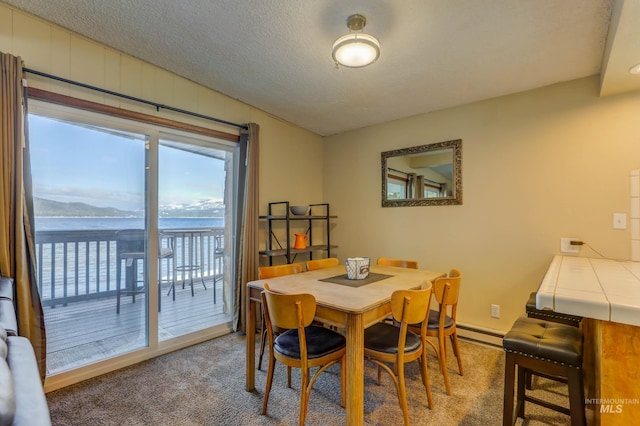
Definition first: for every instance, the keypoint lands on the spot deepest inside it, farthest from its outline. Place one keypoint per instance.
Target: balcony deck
(88, 331)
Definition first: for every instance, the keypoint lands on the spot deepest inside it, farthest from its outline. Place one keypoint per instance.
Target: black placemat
(343, 280)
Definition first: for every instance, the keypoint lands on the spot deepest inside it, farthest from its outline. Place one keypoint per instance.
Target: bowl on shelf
(299, 210)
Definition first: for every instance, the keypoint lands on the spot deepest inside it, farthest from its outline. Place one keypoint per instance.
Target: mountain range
(50, 208)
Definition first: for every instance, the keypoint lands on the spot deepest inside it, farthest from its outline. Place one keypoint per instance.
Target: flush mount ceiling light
(635, 69)
(356, 49)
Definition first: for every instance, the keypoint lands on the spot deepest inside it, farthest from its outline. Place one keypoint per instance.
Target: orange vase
(300, 242)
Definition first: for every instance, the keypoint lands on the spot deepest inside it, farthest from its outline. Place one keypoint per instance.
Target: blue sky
(71, 163)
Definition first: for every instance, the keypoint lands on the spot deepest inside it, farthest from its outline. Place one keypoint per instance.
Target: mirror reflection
(423, 175)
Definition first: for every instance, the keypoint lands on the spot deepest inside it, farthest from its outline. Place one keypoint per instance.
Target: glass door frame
(154, 347)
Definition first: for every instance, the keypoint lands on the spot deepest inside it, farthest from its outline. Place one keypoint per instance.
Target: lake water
(97, 223)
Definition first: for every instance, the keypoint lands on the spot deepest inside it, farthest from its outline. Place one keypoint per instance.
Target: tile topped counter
(601, 289)
(606, 293)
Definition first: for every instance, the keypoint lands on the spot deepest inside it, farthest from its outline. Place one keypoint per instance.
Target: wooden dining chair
(396, 344)
(265, 272)
(442, 323)
(312, 265)
(300, 344)
(402, 263)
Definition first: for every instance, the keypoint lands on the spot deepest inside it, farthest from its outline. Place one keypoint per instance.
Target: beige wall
(290, 157)
(537, 166)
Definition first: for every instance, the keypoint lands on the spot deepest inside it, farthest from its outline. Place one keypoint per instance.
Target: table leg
(251, 343)
(355, 370)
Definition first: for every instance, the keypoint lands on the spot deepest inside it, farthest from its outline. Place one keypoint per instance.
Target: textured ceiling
(276, 54)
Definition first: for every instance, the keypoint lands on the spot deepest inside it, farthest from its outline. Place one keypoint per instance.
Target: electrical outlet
(566, 247)
(619, 221)
(495, 311)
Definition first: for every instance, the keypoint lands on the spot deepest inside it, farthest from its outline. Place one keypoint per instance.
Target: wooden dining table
(350, 305)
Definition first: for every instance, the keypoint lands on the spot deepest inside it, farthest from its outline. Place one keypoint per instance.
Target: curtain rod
(132, 98)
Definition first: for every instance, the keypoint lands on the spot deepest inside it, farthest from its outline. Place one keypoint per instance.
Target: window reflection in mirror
(423, 175)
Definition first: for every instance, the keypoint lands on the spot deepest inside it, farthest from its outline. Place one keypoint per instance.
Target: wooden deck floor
(85, 332)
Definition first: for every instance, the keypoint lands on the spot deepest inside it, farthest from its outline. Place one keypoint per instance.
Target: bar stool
(189, 260)
(130, 249)
(549, 315)
(546, 348)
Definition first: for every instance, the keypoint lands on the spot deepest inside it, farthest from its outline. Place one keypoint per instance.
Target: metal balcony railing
(80, 265)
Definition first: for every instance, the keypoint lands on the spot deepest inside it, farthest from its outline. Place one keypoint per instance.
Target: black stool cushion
(383, 337)
(545, 339)
(320, 341)
(549, 315)
(434, 321)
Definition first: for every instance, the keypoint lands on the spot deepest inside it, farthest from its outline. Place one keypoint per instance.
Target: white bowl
(299, 210)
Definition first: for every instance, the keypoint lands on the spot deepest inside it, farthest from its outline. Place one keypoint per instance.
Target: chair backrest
(447, 290)
(312, 265)
(130, 241)
(165, 249)
(288, 311)
(265, 272)
(219, 243)
(411, 306)
(402, 263)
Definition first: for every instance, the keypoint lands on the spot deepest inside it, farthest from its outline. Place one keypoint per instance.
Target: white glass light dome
(356, 49)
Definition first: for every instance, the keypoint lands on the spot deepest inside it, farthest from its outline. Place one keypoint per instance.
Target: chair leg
(520, 391)
(214, 288)
(263, 340)
(456, 351)
(425, 377)
(267, 389)
(576, 397)
(304, 394)
(118, 278)
(160, 284)
(402, 393)
(528, 380)
(132, 277)
(172, 288)
(174, 279)
(509, 384)
(442, 358)
(343, 380)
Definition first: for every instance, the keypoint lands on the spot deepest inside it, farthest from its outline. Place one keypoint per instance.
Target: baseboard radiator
(480, 335)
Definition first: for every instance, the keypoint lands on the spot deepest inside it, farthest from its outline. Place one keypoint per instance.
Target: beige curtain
(17, 243)
(247, 222)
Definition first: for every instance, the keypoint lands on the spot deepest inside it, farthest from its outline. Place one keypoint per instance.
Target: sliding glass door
(194, 217)
(133, 225)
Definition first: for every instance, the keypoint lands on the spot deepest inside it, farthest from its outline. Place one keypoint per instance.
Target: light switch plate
(619, 221)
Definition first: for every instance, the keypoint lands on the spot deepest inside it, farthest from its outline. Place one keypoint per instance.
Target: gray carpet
(204, 385)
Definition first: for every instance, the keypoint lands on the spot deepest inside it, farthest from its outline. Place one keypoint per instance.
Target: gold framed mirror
(424, 175)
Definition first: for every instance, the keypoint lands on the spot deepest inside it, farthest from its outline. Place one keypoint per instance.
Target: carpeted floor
(204, 385)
